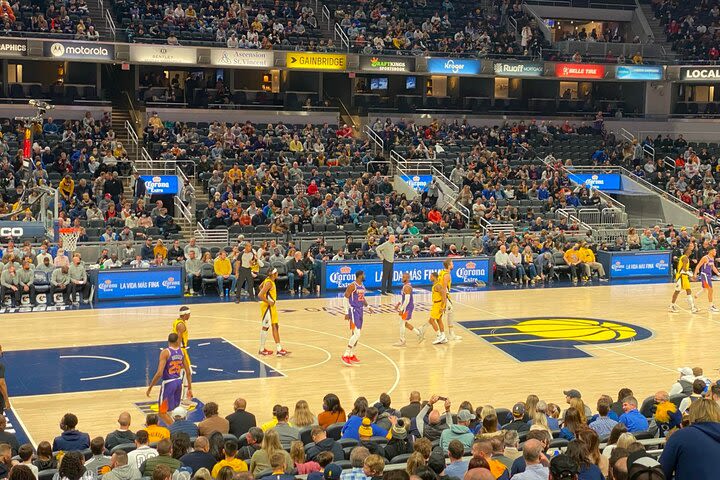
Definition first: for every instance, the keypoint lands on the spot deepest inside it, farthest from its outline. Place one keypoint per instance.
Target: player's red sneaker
(282, 353)
(346, 361)
(265, 352)
(354, 359)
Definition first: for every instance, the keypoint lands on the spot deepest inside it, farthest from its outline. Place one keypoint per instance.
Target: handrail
(627, 135)
(146, 164)
(500, 227)
(133, 113)
(325, 14)
(649, 150)
(670, 162)
(183, 209)
(134, 139)
(453, 193)
(109, 22)
(375, 138)
(203, 235)
(344, 40)
(186, 196)
(573, 218)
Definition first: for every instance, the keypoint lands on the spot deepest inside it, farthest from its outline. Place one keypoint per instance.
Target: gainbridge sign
(315, 61)
(338, 275)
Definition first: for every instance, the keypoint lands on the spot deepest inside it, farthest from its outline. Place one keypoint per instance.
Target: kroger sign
(453, 66)
(338, 275)
(161, 185)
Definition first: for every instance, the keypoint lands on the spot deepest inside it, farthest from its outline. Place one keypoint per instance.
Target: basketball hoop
(69, 237)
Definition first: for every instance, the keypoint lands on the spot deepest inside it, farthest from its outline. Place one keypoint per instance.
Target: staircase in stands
(657, 29)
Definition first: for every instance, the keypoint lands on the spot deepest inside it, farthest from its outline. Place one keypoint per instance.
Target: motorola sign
(22, 229)
(79, 50)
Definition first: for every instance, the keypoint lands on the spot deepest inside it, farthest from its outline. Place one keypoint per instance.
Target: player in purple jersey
(354, 301)
(405, 309)
(170, 365)
(706, 267)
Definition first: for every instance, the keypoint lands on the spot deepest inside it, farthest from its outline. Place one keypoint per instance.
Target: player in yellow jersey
(179, 327)
(439, 304)
(445, 277)
(268, 314)
(682, 281)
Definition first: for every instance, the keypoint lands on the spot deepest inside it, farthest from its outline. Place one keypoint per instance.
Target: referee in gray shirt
(386, 253)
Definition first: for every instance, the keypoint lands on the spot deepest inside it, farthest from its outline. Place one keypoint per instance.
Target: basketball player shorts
(269, 315)
(356, 318)
(435, 311)
(170, 395)
(682, 283)
(407, 314)
(706, 280)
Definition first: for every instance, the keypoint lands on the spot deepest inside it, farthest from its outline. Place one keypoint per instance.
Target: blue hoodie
(691, 453)
(71, 440)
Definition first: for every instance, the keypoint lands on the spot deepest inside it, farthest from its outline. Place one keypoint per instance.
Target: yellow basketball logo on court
(553, 338)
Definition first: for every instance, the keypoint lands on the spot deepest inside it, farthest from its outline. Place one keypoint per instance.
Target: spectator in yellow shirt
(572, 258)
(155, 121)
(587, 256)
(155, 431)
(224, 272)
(296, 145)
(160, 249)
(230, 449)
(234, 173)
(66, 187)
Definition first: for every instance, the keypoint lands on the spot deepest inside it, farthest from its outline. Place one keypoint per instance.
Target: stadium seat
(47, 474)
(305, 435)
(334, 431)
(126, 447)
(208, 277)
(400, 458)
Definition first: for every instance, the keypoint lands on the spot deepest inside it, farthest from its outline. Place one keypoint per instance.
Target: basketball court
(97, 363)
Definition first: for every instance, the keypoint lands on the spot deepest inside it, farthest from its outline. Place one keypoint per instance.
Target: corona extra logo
(345, 269)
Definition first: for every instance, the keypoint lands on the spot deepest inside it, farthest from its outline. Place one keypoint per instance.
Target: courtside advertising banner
(636, 264)
(141, 283)
(161, 184)
(419, 183)
(338, 275)
(601, 181)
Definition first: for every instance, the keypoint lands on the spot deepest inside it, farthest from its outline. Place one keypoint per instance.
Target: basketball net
(69, 237)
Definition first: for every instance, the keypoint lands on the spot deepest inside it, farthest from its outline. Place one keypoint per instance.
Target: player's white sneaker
(714, 309)
(454, 338)
(673, 308)
(421, 334)
(694, 310)
(399, 343)
(440, 339)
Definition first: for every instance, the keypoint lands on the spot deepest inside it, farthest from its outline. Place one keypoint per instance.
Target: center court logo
(553, 338)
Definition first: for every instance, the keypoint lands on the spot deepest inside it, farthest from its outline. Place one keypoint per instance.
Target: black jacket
(240, 422)
(327, 445)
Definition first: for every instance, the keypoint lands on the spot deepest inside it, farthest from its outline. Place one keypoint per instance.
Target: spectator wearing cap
(213, 422)
(641, 466)
(241, 421)
(563, 467)
(333, 472)
(457, 466)
(572, 393)
(666, 415)
(603, 424)
(181, 423)
(357, 462)
(698, 389)
(518, 413)
(683, 385)
(534, 469)
(632, 418)
(200, 457)
(321, 443)
(460, 431)
(122, 434)
(691, 453)
(399, 444)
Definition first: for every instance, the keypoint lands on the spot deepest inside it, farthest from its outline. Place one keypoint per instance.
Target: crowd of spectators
(431, 439)
(66, 18)
(690, 27)
(451, 27)
(256, 25)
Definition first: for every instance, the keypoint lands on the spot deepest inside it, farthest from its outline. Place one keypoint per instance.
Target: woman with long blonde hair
(531, 406)
(302, 417)
(580, 406)
(260, 460)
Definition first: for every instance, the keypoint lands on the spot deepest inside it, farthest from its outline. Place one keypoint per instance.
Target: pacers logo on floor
(553, 338)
